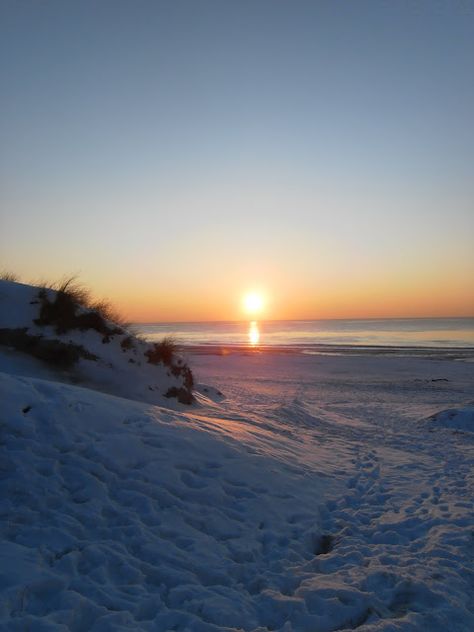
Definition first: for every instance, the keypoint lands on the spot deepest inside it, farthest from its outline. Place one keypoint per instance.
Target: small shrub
(127, 343)
(188, 378)
(162, 352)
(182, 395)
(184, 371)
(175, 370)
(60, 354)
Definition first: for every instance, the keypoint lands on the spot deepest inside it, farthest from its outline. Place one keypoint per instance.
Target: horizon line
(299, 320)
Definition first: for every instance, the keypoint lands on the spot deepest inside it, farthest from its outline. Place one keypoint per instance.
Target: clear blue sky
(322, 152)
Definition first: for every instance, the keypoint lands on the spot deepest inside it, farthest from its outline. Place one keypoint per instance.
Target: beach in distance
(310, 336)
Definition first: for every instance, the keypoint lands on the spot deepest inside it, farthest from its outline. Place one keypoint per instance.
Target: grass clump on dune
(7, 275)
(162, 352)
(70, 307)
(183, 370)
(54, 352)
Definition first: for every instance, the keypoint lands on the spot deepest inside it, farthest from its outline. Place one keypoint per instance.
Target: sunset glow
(217, 176)
(253, 303)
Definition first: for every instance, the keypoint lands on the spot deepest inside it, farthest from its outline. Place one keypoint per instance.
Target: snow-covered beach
(299, 492)
(237, 316)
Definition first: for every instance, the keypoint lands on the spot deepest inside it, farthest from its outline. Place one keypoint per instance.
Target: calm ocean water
(312, 334)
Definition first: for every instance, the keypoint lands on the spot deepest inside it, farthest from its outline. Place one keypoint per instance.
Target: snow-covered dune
(461, 418)
(83, 348)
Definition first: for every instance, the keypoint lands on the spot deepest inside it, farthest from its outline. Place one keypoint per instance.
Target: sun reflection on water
(254, 334)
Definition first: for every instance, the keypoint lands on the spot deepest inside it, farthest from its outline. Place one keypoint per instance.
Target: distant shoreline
(310, 337)
(461, 353)
(263, 321)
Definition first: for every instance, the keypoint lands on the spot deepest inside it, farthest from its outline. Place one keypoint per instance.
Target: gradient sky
(178, 154)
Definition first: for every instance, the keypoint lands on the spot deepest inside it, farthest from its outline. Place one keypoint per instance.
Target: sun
(253, 302)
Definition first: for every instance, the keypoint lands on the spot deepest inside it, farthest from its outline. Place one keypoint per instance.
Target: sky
(178, 154)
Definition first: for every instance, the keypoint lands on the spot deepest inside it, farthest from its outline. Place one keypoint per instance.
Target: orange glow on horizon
(142, 297)
(298, 304)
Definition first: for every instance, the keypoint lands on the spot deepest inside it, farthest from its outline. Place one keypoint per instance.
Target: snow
(455, 418)
(18, 304)
(299, 493)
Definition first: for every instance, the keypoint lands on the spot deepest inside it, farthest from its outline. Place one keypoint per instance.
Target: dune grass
(162, 352)
(55, 353)
(72, 307)
(7, 275)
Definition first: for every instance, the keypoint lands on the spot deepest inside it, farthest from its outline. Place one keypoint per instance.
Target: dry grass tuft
(7, 275)
(74, 289)
(108, 312)
(73, 308)
(54, 352)
(162, 352)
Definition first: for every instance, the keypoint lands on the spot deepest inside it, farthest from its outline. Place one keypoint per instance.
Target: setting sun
(253, 303)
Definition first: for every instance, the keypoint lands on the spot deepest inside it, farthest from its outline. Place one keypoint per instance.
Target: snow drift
(461, 419)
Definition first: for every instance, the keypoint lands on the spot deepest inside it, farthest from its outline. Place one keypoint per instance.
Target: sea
(318, 336)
